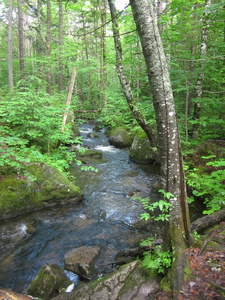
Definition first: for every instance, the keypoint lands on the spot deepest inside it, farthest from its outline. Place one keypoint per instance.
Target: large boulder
(49, 282)
(120, 138)
(44, 187)
(141, 151)
(81, 261)
(131, 282)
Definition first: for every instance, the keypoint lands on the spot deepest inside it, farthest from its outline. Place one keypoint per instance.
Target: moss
(20, 194)
(50, 281)
(120, 137)
(141, 150)
(165, 283)
(92, 153)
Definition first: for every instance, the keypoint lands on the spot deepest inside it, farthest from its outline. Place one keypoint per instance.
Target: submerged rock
(81, 261)
(45, 187)
(120, 137)
(130, 282)
(50, 281)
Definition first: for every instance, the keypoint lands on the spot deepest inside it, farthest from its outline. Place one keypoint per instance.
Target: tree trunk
(48, 47)
(207, 221)
(10, 48)
(104, 58)
(68, 100)
(60, 45)
(199, 88)
(172, 172)
(123, 80)
(21, 39)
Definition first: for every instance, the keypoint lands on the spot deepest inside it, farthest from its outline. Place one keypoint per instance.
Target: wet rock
(81, 261)
(130, 282)
(50, 281)
(49, 187)
(92, 135)
(120, 137)
(91, 154)
(141, 151)
(9, 295)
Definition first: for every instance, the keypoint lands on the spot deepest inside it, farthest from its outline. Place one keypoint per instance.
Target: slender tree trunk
(10, 48)
(104, 58)
(172, 172)
(123, 80)
(68, 100)
(48, 47)
(199, 88)
(60, 45)
(21, 38)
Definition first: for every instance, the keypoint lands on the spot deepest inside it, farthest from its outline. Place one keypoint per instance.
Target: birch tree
(10, 47)
(199, 87)
(21, 38)
(172, 173)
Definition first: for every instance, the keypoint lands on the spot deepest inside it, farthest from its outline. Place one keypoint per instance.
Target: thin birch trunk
(68, 100)
(60, 45)
(10, 48)
(21, 38)
(200, 81)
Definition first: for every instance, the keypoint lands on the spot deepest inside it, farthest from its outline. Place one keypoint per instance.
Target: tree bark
(202, 223)
(68, 100)
(21, 39)
(123, 80)
(10, 47)
(104, 57)
(60, 45)
(172, 172)
(48, 47)
(199, 88)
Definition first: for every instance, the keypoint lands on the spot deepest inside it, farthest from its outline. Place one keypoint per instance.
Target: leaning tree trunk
(168, 136)
(123, 80)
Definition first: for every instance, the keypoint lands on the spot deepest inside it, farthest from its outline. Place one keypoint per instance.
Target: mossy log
(203, 223)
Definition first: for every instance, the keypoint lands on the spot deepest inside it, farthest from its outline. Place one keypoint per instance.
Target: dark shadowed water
(107, 218)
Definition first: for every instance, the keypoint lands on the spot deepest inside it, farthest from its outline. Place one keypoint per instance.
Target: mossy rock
(131, 282)
(21, 194)
(50, 281)
(141, 151)
(120, 137)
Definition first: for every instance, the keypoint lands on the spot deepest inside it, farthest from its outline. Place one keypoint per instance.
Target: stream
(107, 218)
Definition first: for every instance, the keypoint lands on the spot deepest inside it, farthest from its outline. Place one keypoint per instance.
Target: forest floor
(207, 265)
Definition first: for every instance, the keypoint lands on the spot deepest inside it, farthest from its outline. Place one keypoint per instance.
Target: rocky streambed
(107, 218)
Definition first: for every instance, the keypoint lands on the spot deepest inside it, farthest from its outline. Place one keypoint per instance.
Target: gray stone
(81, 261)
(50, 281)
(130, 282)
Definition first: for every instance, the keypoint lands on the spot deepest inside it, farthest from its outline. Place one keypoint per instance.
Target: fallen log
(202, 223)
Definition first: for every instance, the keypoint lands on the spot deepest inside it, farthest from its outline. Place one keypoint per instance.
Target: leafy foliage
(162, 205)
(156, 258)
(30, 131)
(209, 187)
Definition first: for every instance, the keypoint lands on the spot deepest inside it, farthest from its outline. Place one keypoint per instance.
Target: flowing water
(107, 218)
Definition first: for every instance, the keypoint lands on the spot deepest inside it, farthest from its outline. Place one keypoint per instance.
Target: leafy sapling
(156, 258)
